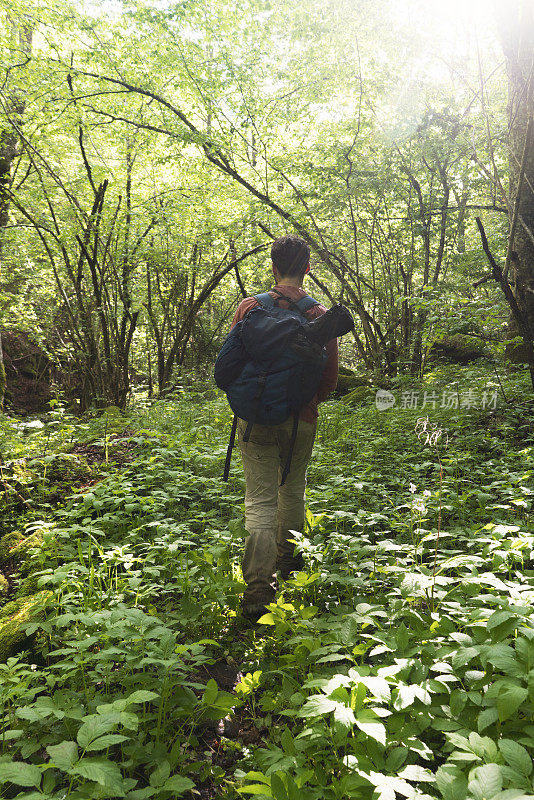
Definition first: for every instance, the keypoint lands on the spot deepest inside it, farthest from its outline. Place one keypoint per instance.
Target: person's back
(272, 510)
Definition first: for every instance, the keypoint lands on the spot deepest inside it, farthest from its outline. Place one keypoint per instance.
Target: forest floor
(400, 663)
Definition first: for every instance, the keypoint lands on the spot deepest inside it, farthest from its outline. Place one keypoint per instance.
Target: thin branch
(503, 283)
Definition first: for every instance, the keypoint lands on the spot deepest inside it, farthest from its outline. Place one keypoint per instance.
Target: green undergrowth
(399, 664)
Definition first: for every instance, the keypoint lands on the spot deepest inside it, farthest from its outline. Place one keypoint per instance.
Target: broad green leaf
(396, 759)
(388, 785)
(177, 784)
(483, 746)
(256, 789)
(31, 714)
(293, 789)
(102, 771)
(349, 631)
(277, 787)
(406, 694)
(384, 792)
(141, 696)
(463, 656)
(344, 715)
(96, 725)
(12, 733)
(509, 700)
(416, 773)
(130, 720)
(402, 637)
(378, 687)
(288, 742)
(516, 756)
(457, 701)
(316, 706)
(367, 724)
(498, 617)
(159, 775)
(258, 776)
(487, 782)
(504, 658)
(105, 741)
(266, 619)
(211, 692)
(63, 755)
(36, 796)
(487, 718)
(451, 782)
(20, 774)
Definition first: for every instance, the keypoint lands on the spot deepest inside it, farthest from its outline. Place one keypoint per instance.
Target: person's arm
(329, 379)
(330, 374)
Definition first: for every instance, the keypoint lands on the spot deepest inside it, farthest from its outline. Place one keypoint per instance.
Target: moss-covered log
(14, 618)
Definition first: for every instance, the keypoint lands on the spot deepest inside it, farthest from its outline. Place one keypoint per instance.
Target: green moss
(359, 395)
(10, 608)
(14, 617)
(347, 383)
(8, 543)
(4, 585)
(68, 468)
(29, 585)
(16, 547)
(456, 349)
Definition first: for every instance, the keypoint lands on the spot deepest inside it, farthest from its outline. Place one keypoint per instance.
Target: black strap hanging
(231, 444)
(291, 448)
(246, 435)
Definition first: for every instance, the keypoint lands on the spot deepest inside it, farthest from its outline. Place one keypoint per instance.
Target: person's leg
(291, 496)
(260, 464)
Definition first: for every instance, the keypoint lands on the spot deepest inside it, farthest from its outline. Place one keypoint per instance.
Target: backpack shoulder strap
(264, 300)
(302, 305)
(305, 303)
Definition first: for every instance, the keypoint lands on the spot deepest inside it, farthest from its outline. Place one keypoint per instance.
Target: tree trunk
(3, 379)
(8, 150)
(517, 36)
(22, 40)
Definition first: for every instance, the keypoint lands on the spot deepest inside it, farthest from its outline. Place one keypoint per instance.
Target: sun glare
(446, 23)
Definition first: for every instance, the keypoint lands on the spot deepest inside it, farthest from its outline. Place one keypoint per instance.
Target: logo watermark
(384, 399)
(412, 399)
(430, 433)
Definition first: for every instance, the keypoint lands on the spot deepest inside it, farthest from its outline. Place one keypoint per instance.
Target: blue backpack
(268, 370)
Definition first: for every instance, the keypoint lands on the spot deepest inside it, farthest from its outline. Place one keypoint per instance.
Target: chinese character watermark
(412, 399)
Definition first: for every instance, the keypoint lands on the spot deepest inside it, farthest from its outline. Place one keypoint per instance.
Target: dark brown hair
(290, 255)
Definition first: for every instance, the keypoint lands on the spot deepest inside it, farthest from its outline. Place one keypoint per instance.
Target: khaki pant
(271, 510)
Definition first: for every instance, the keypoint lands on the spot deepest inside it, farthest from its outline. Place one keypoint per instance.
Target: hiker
(272, 510)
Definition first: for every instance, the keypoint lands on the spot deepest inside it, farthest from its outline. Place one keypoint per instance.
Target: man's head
(291, 257)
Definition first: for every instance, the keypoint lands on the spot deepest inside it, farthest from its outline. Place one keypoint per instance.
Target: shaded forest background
(150, 151)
